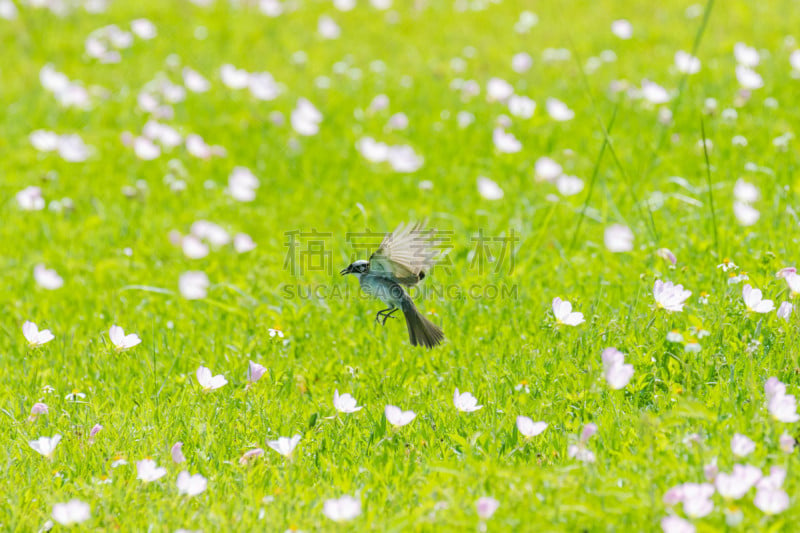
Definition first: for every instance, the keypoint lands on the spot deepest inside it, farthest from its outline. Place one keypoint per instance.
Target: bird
(404, 258)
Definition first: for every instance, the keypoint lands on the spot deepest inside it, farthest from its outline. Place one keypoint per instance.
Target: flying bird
(403, 259)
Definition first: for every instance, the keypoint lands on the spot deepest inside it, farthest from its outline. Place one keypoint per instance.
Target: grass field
(331, 127)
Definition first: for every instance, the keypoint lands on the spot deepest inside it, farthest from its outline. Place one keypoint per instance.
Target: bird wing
(406, 254)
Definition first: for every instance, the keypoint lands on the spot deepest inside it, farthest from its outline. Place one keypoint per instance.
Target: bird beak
(345, 271)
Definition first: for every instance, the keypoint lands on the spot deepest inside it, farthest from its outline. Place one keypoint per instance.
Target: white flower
(195, 81)
(342, 509)
(558, 110)
(143, 28)
(47, 278)
(345, 403)
(45, 445)
(397, 417)
(528, 428)
(327, 28)
(145, 149)
(213, 233)
(771, 501)
(284, 445)
(30, 199)
(745, 214)
(622, 29)
(746, 55)
(34, 336)
(745, 192)
(793, 281)
(546, 169)
(686, 63)
(618, 238)
(147, 470)
(193, 248)
(616, 372)
(521, 62)
(305, 118)
(521, 106)
(670, 297)
(748, 78)
(191, 485)
(505, 142)
(233, 77)
(465, 402)
(72, 512)
(654, 93)
(562, 310)
(489, 189)
(569, 185)
(753, 301)
(121, 341)
(498, 89)
(209, 382)
(193, 285)
(243, 243)
(581, 453)
(741, 446)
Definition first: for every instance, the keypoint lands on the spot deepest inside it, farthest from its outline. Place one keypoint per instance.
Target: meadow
(615, 187)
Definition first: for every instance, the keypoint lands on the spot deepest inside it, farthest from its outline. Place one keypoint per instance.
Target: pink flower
(785, 272)
(676, 524)
(562, 310)
(250, 455)
(793, 281)
(785, 311)
(697, 499)
(94, 431)
(786, 443)
(486, 507)
(255, 372)
(36, 410)
(667, 255)
(736, 484)
(674, 495)
(669, 296)
(177, 452)
(771, 501)
(741, 446)
(588, 432)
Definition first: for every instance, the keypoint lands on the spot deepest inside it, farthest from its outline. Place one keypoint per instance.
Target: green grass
(425, 476)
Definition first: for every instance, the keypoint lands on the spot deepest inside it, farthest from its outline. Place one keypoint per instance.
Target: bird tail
(421, 331)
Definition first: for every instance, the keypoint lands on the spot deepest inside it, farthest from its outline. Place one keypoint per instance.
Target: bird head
(357, 267)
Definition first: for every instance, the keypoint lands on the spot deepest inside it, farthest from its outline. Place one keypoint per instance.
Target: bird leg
(385, 313)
